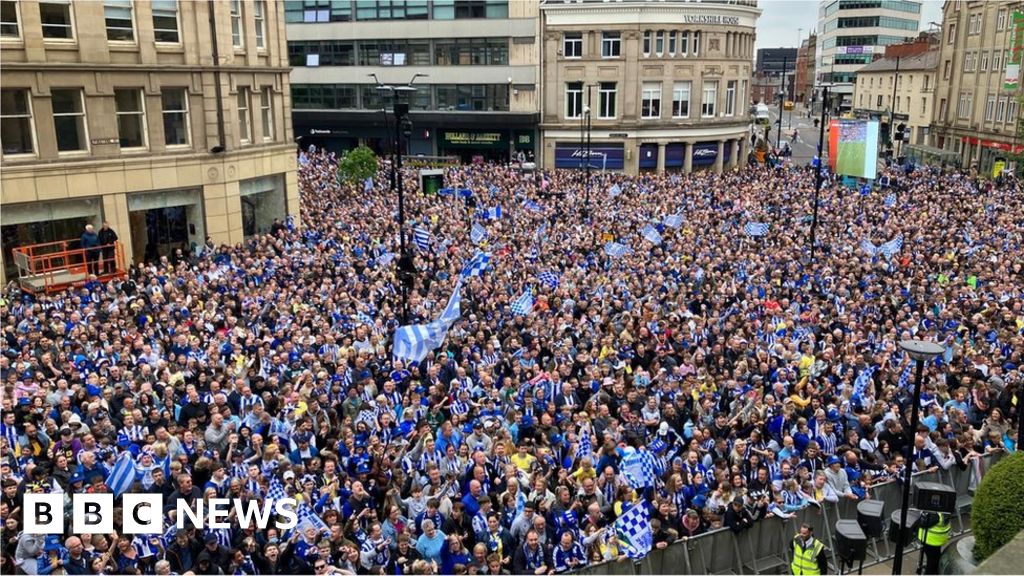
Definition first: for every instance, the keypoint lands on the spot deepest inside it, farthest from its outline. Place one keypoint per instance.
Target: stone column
(687, 157)
(661, 157)
(734, 160)
(719, 157)
(744, 150)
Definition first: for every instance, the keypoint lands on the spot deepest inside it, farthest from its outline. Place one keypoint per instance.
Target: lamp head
(922, 350)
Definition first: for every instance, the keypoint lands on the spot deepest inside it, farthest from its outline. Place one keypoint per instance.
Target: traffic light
(900, 131)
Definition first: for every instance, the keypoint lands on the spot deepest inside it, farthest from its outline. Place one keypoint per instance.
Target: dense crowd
(754, 380)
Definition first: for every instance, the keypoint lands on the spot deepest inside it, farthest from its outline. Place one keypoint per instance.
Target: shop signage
(704, 153)
(99, 141)
(608, 156)
(993, 144)
(472, 138)
(711, 19)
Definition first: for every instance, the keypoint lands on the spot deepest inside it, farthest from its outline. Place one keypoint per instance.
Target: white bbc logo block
(92, 513)
(143, 514)
(43, 513)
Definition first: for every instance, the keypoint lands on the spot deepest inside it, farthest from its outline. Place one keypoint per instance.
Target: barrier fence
(764, 548)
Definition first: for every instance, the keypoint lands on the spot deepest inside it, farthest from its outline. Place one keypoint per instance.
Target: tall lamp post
(818, 177)
(921, 352)
(782, 95)
(403, 127)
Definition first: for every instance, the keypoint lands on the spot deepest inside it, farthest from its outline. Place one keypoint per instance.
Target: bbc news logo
(144, 514)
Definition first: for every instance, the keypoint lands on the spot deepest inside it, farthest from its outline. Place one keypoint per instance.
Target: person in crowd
(657, 343)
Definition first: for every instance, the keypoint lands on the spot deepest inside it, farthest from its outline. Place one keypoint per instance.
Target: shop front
(675, 154)
(992, 156)
(648, 161)
(476, 146)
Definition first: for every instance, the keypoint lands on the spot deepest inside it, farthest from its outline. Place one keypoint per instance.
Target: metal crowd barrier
(765, 547)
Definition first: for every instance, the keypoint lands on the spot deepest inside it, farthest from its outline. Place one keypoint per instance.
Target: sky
(781, 20)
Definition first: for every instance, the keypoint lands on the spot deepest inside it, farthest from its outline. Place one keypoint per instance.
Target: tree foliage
(357, 165)
(997, 513)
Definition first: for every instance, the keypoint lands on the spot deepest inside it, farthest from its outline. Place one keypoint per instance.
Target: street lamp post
(782, 95)
(403, 126)
(818, 177)
(920, 351)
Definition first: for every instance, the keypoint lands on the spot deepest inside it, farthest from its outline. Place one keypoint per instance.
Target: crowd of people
(755, 380)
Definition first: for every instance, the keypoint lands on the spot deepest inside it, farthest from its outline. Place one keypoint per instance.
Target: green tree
(998, 508)
(357, 165)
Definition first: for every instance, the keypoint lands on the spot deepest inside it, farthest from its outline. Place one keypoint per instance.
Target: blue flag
(524, 304)
(478, 233)
(633, 530)
(122, 476)
(549, 279)
(651, 235)
(616, 250)
(755, 229)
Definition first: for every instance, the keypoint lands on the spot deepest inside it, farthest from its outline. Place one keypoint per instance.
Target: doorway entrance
(164, 222)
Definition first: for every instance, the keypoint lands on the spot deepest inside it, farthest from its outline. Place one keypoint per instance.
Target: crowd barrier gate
(764, 548)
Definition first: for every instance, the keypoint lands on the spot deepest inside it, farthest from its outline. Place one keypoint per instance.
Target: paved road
(806, 144)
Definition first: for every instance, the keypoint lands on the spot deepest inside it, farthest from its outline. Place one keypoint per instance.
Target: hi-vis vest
(937, 535)
(805, 560)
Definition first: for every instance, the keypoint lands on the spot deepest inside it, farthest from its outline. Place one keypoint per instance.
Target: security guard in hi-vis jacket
(933, 533)
(809, 557)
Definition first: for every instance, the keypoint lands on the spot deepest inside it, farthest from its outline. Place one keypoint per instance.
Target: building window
(976, 23)
(672, 43)
(165, 21)
(461, 52)
(946, 69)
(611, 44)
(878, 102)
(395, 9)
(650, 103)
(16, 121)
(174, 103)
(659, 43)
(942, 108)
(118, 15)
(267, 113)
(69, 119)
(924, 104)
(1001, 110)
(572, 44)
(320, 11)
(131, 117)
(647, 42)
(997, 64)
(9, 19)
(684, 43)
(681, 100)
(983, 61)
(471, 97)
(990, 108)
(606, 100)
(695, 47)
(730, 98)
(574, 99)
(259, 10)
(951, 33)
(968, 61)
(236, 23)
(244, 120)
(55, 17)
(709, 100)
(966, 104)
(1011, 110)
(1001, 20)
